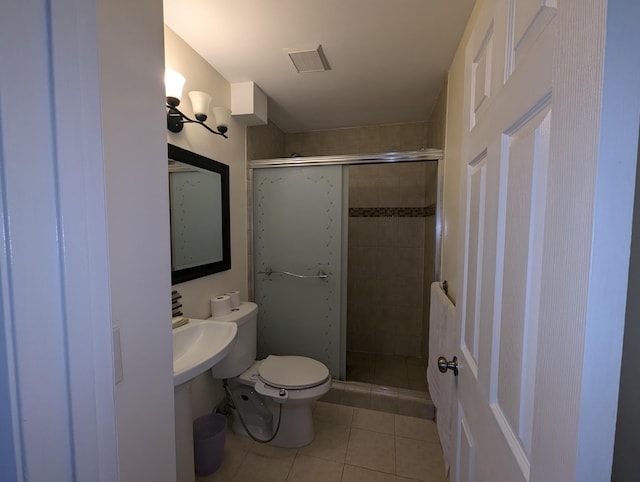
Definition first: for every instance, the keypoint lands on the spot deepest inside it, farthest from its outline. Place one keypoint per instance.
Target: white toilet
(276, 391)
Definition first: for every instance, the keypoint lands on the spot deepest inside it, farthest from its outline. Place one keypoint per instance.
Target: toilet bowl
(286, 386)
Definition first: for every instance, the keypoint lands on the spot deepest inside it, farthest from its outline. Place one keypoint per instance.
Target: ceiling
(387, 58)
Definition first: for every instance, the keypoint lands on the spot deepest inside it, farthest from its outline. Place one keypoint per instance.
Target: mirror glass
(199, 214)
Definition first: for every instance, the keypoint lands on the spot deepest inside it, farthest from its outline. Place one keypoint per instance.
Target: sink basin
(199, 345)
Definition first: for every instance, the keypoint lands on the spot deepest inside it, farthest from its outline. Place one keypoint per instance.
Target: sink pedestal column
(185, 471)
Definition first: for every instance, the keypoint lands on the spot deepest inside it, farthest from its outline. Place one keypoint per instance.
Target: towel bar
(321, 274)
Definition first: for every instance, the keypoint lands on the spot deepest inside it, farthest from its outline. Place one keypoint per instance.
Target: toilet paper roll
(235, 299)
(220, 306)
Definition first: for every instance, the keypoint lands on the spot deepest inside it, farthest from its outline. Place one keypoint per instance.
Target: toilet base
(255, 413)
(261, 432)
(296, 428)
(262, 414)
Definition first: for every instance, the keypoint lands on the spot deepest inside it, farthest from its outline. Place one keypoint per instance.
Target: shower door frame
(345, 160)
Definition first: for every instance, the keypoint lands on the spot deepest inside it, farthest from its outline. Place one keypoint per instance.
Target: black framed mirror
(199, 215)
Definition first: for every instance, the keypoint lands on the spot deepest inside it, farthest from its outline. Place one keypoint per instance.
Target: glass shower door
(298, 262)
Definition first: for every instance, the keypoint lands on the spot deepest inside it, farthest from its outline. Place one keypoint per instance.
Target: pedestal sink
(197, 346)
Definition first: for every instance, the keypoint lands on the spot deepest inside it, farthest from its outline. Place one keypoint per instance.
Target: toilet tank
(243, 353)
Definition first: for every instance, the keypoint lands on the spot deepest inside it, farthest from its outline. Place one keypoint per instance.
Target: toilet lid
(295, 372)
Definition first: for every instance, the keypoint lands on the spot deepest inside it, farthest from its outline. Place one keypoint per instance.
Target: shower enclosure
(343, 252)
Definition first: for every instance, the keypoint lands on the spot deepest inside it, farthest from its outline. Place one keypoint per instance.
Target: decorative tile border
(415, 212)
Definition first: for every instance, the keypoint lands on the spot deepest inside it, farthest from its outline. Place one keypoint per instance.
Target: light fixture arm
(176, 120)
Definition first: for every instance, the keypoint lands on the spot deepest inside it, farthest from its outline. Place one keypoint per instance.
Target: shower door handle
(444, 365)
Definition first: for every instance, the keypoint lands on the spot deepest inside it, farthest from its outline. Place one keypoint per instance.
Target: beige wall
(201, 76)
(438, 119)
(197, 293)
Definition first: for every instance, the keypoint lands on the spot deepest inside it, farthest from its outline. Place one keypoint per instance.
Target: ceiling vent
(308, 60)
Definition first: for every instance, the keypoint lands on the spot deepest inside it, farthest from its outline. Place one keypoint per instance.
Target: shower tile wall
(359, 140)
(265, 142)
(269, 142)
(391, 208)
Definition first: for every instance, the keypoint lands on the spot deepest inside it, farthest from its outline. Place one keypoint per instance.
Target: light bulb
(173, 82)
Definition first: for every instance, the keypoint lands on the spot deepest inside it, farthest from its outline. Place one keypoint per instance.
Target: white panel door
(508, 108)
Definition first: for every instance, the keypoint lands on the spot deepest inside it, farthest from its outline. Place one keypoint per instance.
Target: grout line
(395, 455)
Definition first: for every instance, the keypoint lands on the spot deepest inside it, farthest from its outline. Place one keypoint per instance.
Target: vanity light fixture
(199, 102)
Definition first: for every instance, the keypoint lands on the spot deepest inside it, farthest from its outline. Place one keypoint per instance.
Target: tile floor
(389, 370)
(351, 445)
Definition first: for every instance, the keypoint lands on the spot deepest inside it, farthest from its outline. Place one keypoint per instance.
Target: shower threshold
(400, 401)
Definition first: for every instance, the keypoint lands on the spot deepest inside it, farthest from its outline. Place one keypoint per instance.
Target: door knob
(444, 365)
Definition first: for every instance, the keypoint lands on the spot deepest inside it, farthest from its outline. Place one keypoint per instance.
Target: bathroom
(268, 141)
(100, 154)
(128, 280)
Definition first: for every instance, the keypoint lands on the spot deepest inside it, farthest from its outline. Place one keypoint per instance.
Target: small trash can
(208, 442)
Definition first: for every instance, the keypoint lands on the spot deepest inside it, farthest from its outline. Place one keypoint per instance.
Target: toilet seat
(288, 372)
(292, 372)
